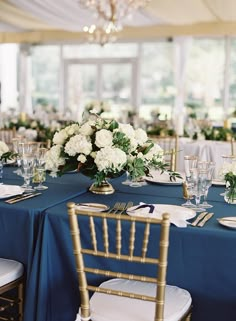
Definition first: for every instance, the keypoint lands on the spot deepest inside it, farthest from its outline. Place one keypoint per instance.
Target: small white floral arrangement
(228, 172)
(104, 148)
(5, 153)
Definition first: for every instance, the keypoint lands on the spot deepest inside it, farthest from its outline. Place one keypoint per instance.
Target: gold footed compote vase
(104, 188)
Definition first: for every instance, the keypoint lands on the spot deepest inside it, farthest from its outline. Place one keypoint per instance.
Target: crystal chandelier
(110, 14)
(101, 35)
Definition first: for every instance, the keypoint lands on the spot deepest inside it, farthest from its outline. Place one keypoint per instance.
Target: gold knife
(199, 218)
(22, 198)
(18, 196)
(206, 218)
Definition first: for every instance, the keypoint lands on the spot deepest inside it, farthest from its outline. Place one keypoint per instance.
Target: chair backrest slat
(105, 235)
(118, 237)
(146, 240)
(132, 239)
(93, 233)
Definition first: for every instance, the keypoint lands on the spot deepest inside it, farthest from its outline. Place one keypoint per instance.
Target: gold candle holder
(23, 117)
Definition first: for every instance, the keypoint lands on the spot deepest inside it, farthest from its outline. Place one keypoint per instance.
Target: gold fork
(115, 208)
(122, 208)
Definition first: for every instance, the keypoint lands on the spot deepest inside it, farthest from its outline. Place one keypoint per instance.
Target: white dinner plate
(164, 180)
(176, 212)
(228, 221)
(218, 182)
(93, 207)
(10, 190)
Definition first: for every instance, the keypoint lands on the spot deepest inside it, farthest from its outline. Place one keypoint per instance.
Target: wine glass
(40, 173)
(190, 161)
(198, 179)
(15, 145)
(209, 177)
(27, 166)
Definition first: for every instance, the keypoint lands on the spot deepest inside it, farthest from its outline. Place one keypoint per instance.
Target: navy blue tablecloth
(201, 260)
(36, 232)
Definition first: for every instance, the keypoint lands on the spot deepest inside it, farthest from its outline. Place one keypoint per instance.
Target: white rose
(103, 138)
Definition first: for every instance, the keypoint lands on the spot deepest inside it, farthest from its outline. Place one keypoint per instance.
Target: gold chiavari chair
(126, 297)
(11, 290)
(170, 146)
(6, 135)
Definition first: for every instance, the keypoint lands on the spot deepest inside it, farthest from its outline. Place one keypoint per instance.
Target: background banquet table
(36, 232)
(206, 150)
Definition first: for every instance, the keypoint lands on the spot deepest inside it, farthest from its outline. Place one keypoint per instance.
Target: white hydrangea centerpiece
(103, 148)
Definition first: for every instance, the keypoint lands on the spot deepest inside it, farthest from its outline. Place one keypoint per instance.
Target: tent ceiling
(39, 21)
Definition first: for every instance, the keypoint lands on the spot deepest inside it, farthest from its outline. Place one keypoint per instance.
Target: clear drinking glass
(27, 167)
(209, 177)
(40, 173)
(198, 178)
(190, 161)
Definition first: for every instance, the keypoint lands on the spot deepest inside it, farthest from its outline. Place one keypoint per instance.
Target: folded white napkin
(10, 190)
(178, 215)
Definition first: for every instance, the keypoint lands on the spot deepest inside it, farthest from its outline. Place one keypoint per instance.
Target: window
(157, 80)
(204, 85)
(45, 75)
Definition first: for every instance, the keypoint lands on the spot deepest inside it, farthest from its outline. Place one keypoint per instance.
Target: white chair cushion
(9, 271)
(114, 308)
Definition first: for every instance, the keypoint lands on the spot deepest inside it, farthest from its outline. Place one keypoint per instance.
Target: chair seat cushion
(10, 271)
(115, 308)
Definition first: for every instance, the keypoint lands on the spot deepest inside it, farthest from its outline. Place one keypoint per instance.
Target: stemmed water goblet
(209, 177)
(15, 146)
(190, 161)
(198, 180)
(27, 167)
(40, 173)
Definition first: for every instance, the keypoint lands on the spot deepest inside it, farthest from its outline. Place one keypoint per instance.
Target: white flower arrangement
(228, 173)
(104, 148)
(5, 153)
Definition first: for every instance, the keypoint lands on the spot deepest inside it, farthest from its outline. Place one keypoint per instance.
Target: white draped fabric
(160, 18)
(206, 150)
